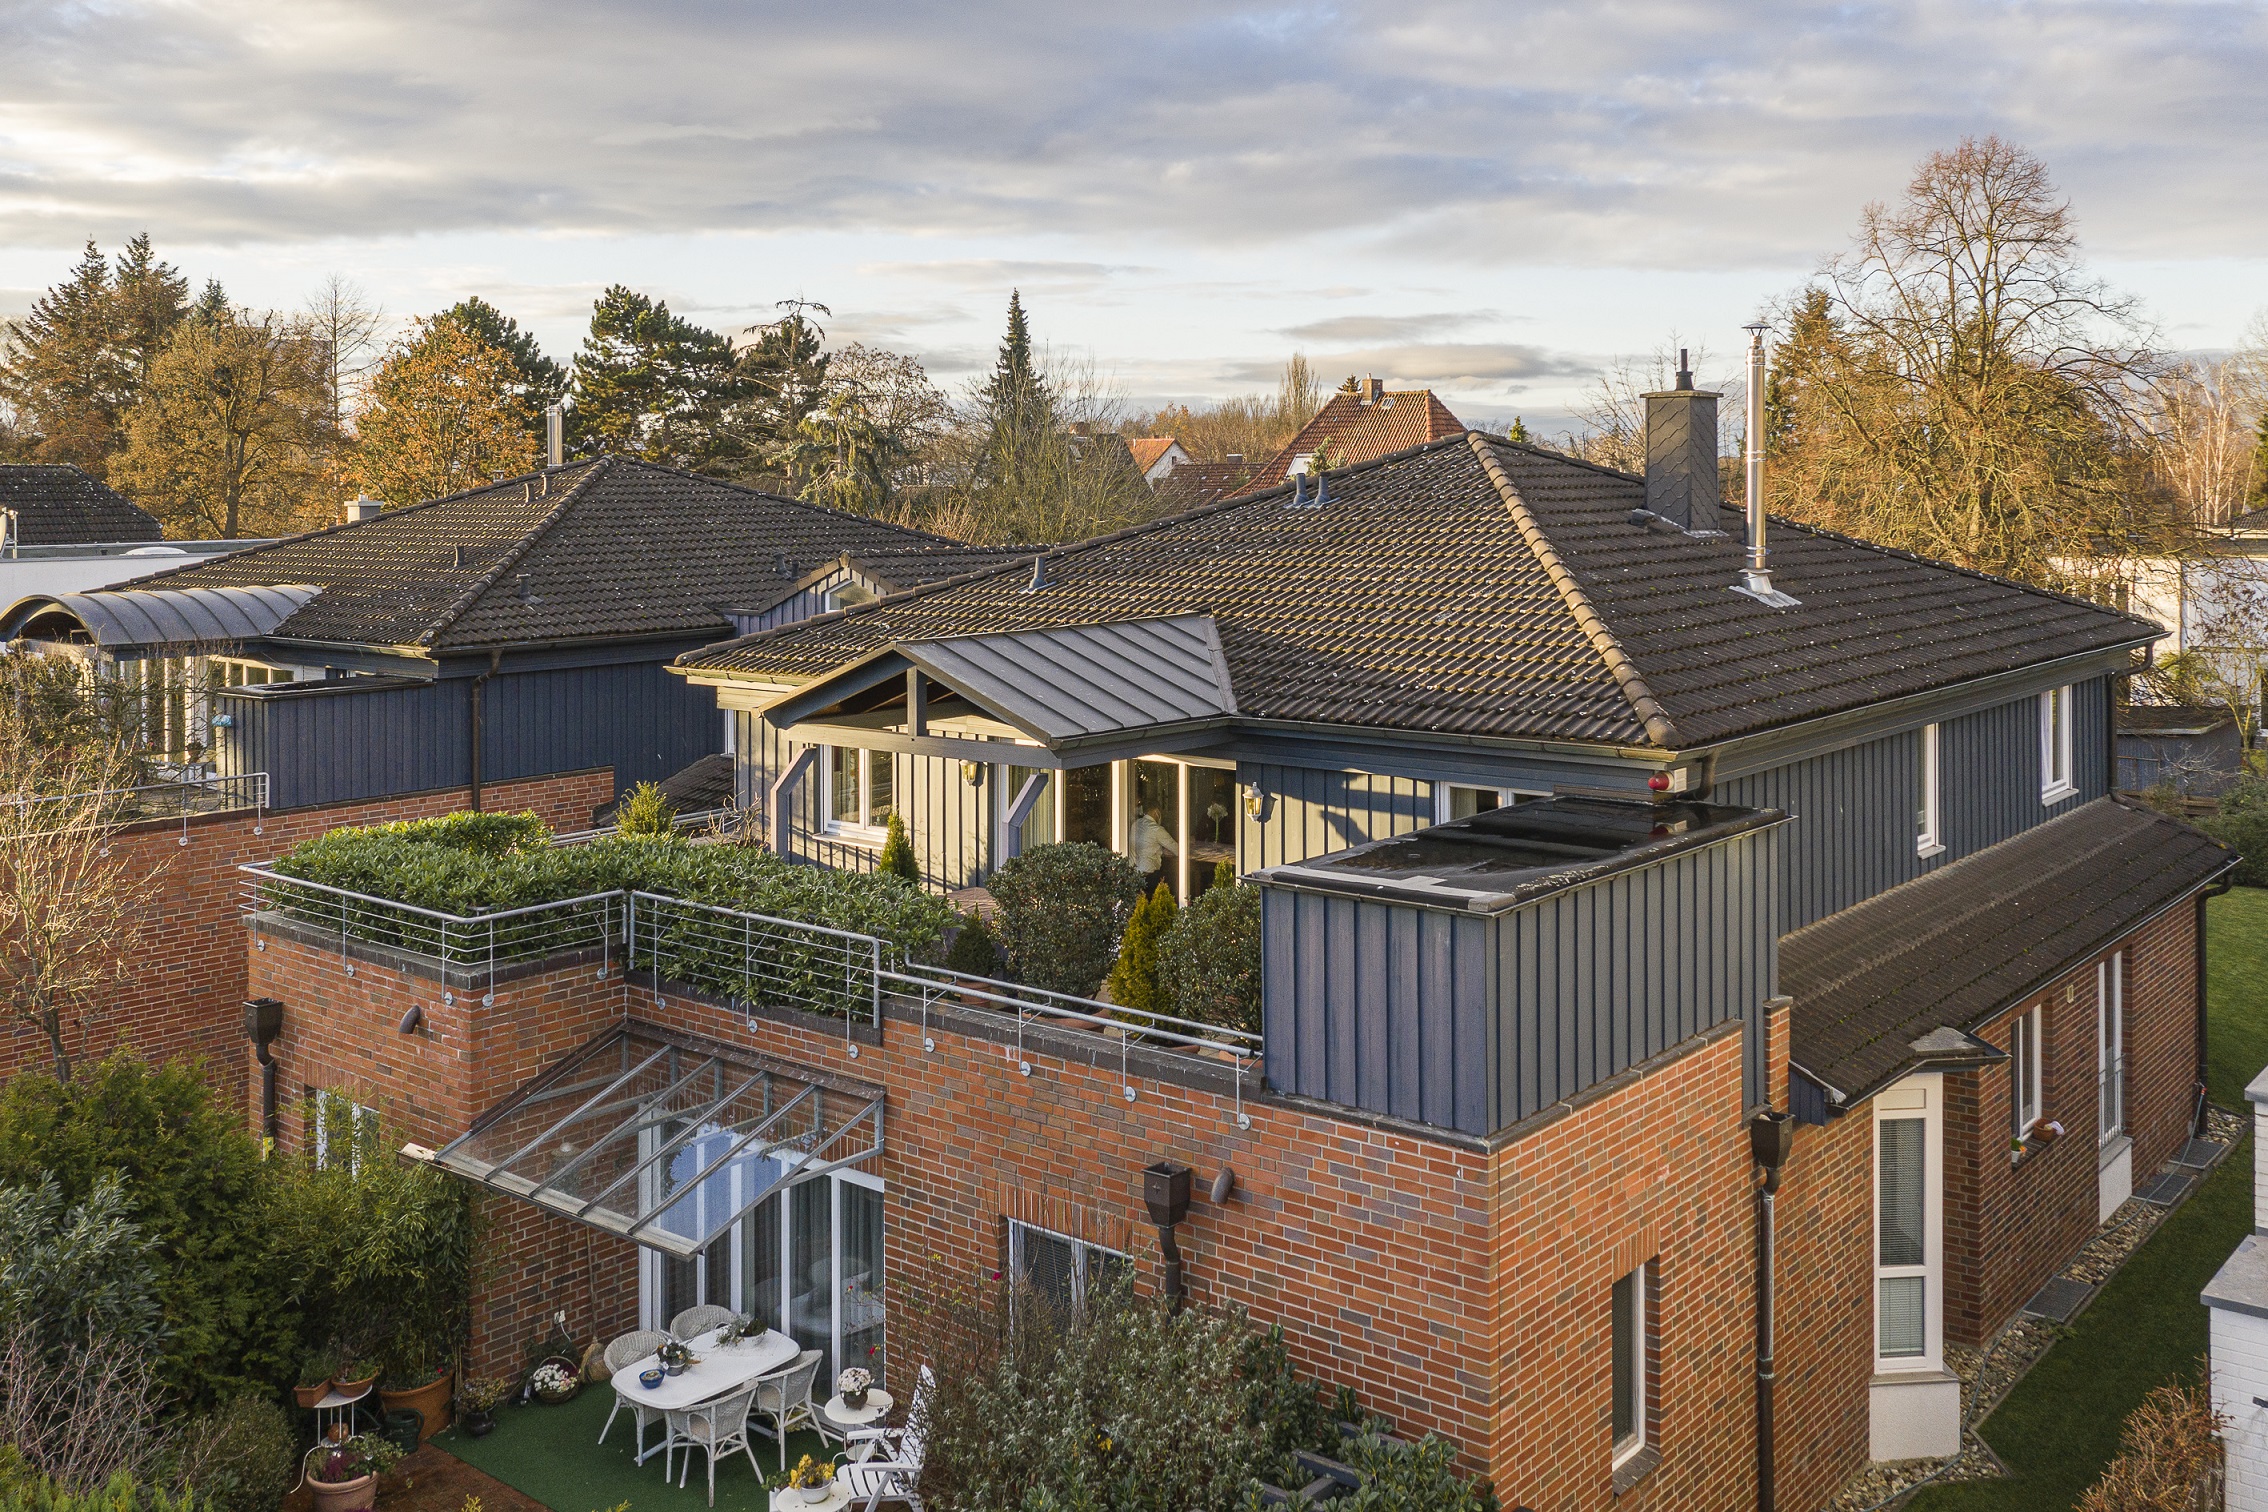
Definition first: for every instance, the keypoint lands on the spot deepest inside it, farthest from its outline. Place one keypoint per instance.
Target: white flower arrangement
(853, 1381)
(554, 1381)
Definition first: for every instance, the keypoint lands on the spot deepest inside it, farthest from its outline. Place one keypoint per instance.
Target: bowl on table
(650, 1377)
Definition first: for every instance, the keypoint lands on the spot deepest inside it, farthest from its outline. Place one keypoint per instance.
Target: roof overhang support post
(1020, 809)
(782, 792)
(917, 702)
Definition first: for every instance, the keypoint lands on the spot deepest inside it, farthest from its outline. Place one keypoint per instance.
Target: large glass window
(1153, 822)
(1629, 1344)
(811, 1265)
(859, 1298)
(1901, 1242)
(861, 788)
(1086, 805)
(1061, 1271)
(1212, 824)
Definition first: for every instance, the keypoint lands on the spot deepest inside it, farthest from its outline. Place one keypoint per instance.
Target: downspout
(263, 1021)
(2197, 1120)
(479, 687)
(1771, 1134)
(1165, 1192)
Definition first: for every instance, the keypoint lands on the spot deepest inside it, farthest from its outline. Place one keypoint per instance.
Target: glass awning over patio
(666, 1139)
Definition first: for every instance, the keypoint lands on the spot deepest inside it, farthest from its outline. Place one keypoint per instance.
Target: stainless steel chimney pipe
(1756, 577)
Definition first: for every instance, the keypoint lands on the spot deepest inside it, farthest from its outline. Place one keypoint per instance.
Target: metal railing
(758, 959)
(160, 800)
(721, 821)
(486, 941)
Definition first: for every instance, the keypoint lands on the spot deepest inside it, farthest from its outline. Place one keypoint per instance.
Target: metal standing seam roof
(1088, 679)
(211, 617)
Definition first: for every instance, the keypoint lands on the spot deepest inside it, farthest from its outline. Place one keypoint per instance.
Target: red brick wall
(186, 994)
(2009, 1225)
(1825, 1348)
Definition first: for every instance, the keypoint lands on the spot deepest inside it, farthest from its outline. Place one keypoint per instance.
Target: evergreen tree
(540, 382)
(783, 375)
(897, 859)
(1518, 431)
(1134, 979)
(1017, 394)
(650, 385)
(149, 297)
(212, 303)
(64, 375)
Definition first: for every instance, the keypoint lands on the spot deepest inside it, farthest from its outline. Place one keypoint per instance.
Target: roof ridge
(462, 604)
(780, 498)
(1659, 727)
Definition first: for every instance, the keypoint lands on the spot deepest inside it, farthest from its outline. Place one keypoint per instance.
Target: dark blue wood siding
(1854, 809)
(1311, 812)
(1472, 1023)
(632, 716)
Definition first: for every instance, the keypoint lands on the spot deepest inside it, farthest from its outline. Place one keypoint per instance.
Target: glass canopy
(666, 1139)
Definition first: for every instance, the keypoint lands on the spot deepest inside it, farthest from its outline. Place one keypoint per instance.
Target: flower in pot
(677, 1357)
(355, 1377)
(315, 1372)
(555, 1381)
(739, 1329)
(477, 1401)
(854, 1384)
(810, 1482)
(344, 1476)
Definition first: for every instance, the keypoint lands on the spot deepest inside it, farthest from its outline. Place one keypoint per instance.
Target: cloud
(1640, 133)
(993, 273)
(1345, 328)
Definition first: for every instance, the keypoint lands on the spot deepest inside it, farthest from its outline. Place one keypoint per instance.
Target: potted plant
(355, 1377)
(421, 1389)
(808, 1484)
(677, 1357)
(854, 1384)
(315, 1372)
(344, 1476)
(556, 1381)
(477, 1401)
(738, 1330)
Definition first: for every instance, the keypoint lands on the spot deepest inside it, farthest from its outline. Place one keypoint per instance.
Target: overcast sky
(1493, 199)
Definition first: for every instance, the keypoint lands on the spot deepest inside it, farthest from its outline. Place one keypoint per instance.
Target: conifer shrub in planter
(897, 858)
(1063, 909)
(1134, 975)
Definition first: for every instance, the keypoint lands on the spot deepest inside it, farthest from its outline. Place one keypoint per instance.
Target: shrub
(2242, 825)
(2170, 1448)
(897, 859)
(644, 812)
(236, 1458)
(1062, 911)
(25, 1490)
(194, 1184)
(82, 1280)
(1209, 966)
(1134, 975)
(975, 952)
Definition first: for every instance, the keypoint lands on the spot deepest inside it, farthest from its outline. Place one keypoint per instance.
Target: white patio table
(722, 1369)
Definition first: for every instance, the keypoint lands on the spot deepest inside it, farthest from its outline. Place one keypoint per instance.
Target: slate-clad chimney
(1681, 454)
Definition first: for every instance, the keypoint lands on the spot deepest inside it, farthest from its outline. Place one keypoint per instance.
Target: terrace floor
(550, 1457)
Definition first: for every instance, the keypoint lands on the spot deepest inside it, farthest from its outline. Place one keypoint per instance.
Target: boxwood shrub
(1062, 911)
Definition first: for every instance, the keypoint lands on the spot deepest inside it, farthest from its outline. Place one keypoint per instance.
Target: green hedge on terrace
(469, 864)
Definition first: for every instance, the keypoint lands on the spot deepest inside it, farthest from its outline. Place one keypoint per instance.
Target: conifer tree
(1134, 979)
(897, 859)
(1017, 394)
(539, 382)
(64, 375)
(650, 385)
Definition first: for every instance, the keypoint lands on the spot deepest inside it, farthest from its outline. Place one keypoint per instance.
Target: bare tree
(2201, 439)
(1613, 413)
(344, 323)
(1252, 426)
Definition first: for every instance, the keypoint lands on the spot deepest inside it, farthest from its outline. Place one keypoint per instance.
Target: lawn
(553, 1455)
(2060, 1426)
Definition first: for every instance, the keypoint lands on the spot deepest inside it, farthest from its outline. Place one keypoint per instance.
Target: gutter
(2220, 885)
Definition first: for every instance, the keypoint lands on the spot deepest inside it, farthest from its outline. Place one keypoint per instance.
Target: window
(1063, 1271)
(860, 788)
(1929, 834)
(341, 1129)
(1176, 819)
(2024, 1057)
(1901, 1249)
(1630, 1383)
(244, 674)
(2055, 745)
(1454, 800)
(1039, 822)
(2110, 1048)
(844, 595)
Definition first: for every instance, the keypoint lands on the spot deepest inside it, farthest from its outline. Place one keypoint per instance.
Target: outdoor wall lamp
(1165, 1192)
(1255, 800)
(972, 773)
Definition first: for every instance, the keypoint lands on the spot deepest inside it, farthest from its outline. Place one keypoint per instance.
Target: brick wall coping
(411, 963)
(153, 826)
(1543, 1118)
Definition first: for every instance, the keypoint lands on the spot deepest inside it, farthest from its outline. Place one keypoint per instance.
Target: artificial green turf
(553, 1455)
(2236, 977)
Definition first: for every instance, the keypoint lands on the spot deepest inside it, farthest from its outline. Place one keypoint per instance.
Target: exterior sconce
(1256, 800)
(972, 773)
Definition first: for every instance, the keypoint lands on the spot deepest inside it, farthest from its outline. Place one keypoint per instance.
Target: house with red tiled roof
(1157, 457)
(1363, 421)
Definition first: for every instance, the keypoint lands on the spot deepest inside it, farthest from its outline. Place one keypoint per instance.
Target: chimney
(554, 436)
(1681, 453)
(1373, 390)
(362, 508)
(1756, 576)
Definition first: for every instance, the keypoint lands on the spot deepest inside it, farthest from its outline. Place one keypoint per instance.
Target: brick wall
(2009, 1225)
(184, 998)
(1825, 1354)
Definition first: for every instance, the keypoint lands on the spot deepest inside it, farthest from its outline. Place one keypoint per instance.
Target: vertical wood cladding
(1312, 812)
(1474, 1022)
(1854, 808)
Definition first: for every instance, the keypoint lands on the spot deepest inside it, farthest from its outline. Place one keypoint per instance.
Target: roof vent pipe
(1756, 577)
(554, 436)
(1039, 576)
(1298, 499)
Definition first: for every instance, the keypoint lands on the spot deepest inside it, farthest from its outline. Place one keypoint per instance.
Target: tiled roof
(610, 549)
(1950, 950)
(1147, 450)
(1483, 587)
(1356, 431)
(1195, 483)
(56, 504)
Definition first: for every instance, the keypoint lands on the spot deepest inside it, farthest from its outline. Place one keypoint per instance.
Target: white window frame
(2027, 1069)
(1921, 1097)
(1929, 818)
(1632, 1444)
(863, 826)
(1083, 1252)
(2056, 782)
(2110, 1048)
(1444, 799)
(359, 1118)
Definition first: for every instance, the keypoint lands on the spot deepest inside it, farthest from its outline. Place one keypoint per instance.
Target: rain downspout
(1165, 1192)
(2197, 1120)
(479, 687)
(263, 1021)
(1771, 1134)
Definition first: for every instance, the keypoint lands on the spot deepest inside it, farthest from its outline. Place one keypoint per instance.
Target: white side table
(838, 1497)
(836, 1420)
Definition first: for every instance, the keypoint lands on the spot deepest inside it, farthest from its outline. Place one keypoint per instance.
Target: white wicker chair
(785, 1397)
(620, 1356)
(695, 1321)
(715, 1428)
(890, 1469)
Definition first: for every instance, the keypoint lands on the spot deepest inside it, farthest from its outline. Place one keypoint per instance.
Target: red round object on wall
(1659, 782)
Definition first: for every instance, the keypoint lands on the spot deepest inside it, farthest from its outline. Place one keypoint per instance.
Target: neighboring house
(507, 632)
(63, 531)
(1157, 457)
(1362, 422)
(1195, 483)
(2196, 751)
(1551, 824)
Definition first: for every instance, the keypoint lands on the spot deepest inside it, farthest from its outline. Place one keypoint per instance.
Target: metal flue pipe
(1756, 577)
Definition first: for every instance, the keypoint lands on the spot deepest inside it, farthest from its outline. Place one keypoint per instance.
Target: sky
(1494, 200)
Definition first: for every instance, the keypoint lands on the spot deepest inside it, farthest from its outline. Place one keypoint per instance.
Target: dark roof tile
(56, 504)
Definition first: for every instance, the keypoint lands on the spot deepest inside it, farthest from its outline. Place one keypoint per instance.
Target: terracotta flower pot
(430, 1402)
(355, 1385)
(308, 1396)
(345, 1496)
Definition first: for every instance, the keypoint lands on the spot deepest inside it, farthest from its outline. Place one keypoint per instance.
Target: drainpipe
(1771, 1135)
(2197, 1119)
(479, 685)
(1165, 1192)
(263, 1021)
